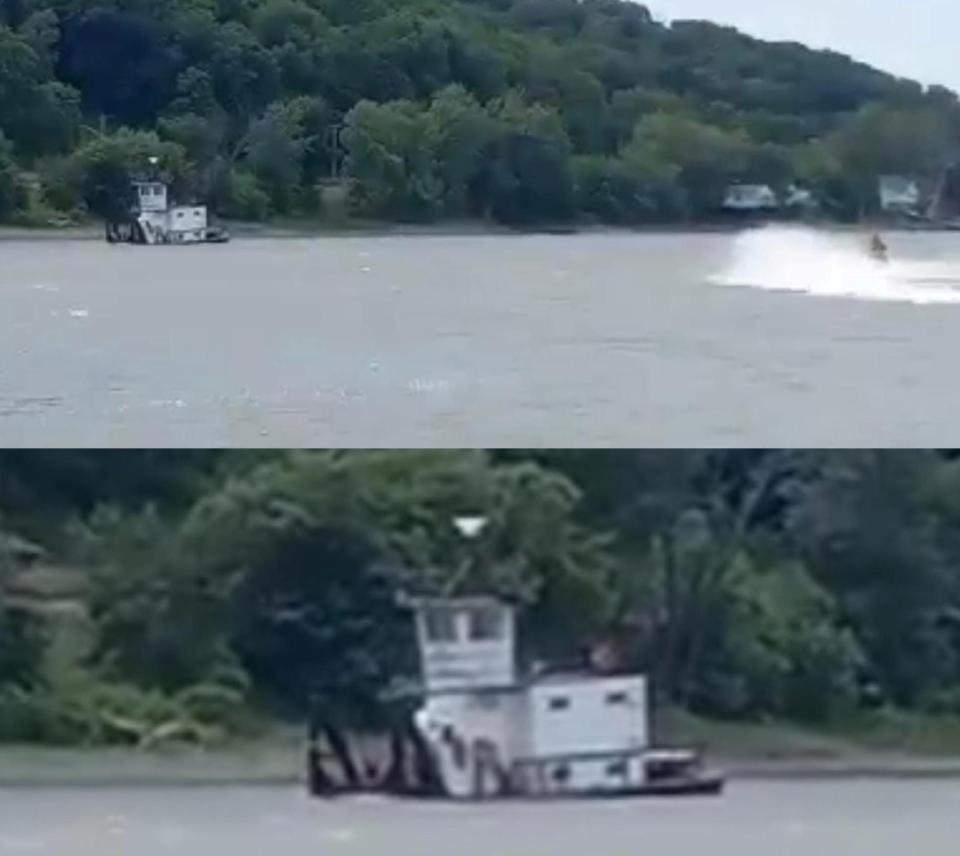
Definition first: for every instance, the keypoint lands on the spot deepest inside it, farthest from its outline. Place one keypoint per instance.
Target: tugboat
(483, 732)
(153, 220)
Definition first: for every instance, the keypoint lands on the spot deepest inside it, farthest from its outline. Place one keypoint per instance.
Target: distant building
(750, 199)
(899, 194)
(800, 199)
(30, 583)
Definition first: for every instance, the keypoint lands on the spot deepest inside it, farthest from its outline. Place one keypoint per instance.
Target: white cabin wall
(600, 715)
(493, 717)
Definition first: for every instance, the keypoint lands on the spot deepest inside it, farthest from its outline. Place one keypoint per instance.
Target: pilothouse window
(440, 625)
(486, 624)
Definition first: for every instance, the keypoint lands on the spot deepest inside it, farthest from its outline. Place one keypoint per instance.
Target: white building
(750, 198)
(898, 194)
(492, 733)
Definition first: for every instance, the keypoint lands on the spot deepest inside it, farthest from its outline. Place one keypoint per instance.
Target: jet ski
(878, 250)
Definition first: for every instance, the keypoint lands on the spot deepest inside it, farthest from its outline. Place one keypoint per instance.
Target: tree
(120, 63)
(11, 193)
(577, 95)
(110, 163)
(390, 162)
(274, 150)
(715, 106)
(280, 22)
(867, 525)
(245, 74)
(707, 159)
(627, 191)
(880, 140)
(527, 176)
(460, 131)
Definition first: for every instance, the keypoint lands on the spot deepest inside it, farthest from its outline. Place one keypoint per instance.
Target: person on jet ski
(879, 249)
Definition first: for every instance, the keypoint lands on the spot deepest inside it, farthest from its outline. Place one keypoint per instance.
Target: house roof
(18, 547)
(898, 184)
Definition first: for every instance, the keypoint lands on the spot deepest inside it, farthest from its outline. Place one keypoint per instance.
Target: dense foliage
(516, 110)
(197, 588)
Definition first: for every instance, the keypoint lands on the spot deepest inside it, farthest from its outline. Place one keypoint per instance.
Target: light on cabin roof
(470, 527)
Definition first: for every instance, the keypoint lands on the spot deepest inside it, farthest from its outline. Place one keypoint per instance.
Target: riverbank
(918, 748)
(312, 229)
(292, 229)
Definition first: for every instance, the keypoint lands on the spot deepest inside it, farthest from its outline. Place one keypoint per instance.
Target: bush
(244, 198)
(93, 712)
(109, 163)
(780, 649)
(13, 195)
(18, 716)
(529, 180)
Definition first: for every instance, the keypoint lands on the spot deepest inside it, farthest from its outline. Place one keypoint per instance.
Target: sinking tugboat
(481, 732)
(154, 220)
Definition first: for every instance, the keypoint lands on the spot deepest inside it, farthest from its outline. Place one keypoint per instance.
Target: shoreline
(26, 768)
(292, 230)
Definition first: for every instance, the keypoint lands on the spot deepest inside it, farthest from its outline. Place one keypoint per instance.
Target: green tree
(110, 163)
(460, 131)
(245, 74)
(274, 150)
(11, 193)
(880, 140)
(279, 22)
(707, 159)
(390, 162)
(527, 176)
(627, 191)
(867, 525)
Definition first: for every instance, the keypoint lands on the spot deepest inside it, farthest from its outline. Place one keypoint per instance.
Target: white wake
(824, 264)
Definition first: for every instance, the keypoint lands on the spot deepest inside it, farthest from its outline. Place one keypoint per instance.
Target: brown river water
(851, 818)
(777, 338)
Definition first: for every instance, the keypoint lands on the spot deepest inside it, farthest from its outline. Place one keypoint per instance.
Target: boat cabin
(155, 220)
(493, 732)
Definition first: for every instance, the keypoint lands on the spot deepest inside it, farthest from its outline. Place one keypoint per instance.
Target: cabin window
(486, 701)
(561, 774)
(558, 703)
(486, 624)
(440, 625)
(617, 769)
(617, 698)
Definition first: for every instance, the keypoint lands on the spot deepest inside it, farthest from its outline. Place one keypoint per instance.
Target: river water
(776, 337)
(867, 818)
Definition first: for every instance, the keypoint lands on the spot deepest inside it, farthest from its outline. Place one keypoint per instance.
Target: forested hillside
(517, 111)
(153, 596)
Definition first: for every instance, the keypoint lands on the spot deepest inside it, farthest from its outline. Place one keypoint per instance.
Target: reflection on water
(593, 340)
